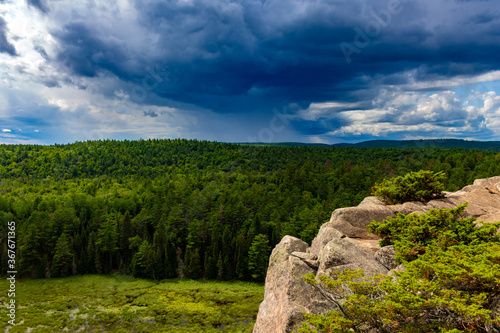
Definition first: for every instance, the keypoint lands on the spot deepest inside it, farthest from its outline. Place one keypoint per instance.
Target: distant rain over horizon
(318, 71)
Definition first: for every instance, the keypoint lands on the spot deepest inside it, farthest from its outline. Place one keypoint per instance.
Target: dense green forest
(185, 208)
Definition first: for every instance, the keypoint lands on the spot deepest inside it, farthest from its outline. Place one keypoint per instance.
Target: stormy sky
(249, 70)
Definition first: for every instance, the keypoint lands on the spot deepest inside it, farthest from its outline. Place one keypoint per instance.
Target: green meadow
(99, 303)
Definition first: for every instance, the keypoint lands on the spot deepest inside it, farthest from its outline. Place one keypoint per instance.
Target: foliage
(192, 264)
(442, 291)
(139, 207)
(258, 257)
(143, 262)
(420, 186)
(412, 234)
(449, 284)
(61, 263)
(96, 303)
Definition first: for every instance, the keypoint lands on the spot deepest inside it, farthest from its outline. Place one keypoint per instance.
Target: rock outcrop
(287, 296)
(344, 243)
(345, 253)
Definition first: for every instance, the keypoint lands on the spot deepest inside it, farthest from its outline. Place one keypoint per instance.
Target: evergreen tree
(63, 258)
(107, 239)
(242, 258)
(210, 267)
(125, 234)
(29, 255)
(192, 264)
(258, 257)
(144, 261)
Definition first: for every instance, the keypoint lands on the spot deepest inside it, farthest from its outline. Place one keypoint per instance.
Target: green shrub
(450, 282)
(415, 186)
(443, 291)
(412, 234)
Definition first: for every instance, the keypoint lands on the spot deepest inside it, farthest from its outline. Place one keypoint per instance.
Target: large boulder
(345, 253)
(326, 233)
(286, 295)
(352, 221)
(483, 199)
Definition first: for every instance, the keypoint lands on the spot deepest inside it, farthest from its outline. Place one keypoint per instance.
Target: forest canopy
(198, 209)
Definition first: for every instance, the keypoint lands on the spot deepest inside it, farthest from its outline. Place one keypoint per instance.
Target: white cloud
(381, 129)
(6, 130)
(491, 104)
(418, 115)
(456, 81)
(364, 116)
(323, 110)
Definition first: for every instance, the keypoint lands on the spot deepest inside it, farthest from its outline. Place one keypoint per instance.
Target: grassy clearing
(96, 303)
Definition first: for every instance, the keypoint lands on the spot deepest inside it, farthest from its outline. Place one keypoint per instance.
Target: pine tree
(258, 257)
(28, 250)
(63, 257)
(192, 264)
(242, 258)
(107, 239)
(144, 261)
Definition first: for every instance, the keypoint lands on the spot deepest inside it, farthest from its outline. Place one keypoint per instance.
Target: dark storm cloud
(318, 127)
(253, 56)
(87, 53)
(484, 18)
(40, 5)
(151, 114)
(41, 51)
(5, 45)
(51, 83)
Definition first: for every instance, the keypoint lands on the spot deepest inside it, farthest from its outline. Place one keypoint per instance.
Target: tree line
(185, 208)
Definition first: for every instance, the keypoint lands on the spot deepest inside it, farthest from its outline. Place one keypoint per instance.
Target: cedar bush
(448, 291)
(412, 234)
(450, 283)
(420, 186)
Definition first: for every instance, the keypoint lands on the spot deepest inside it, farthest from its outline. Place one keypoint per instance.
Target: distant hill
(401, 144)
(438, 143)
(285, 144)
